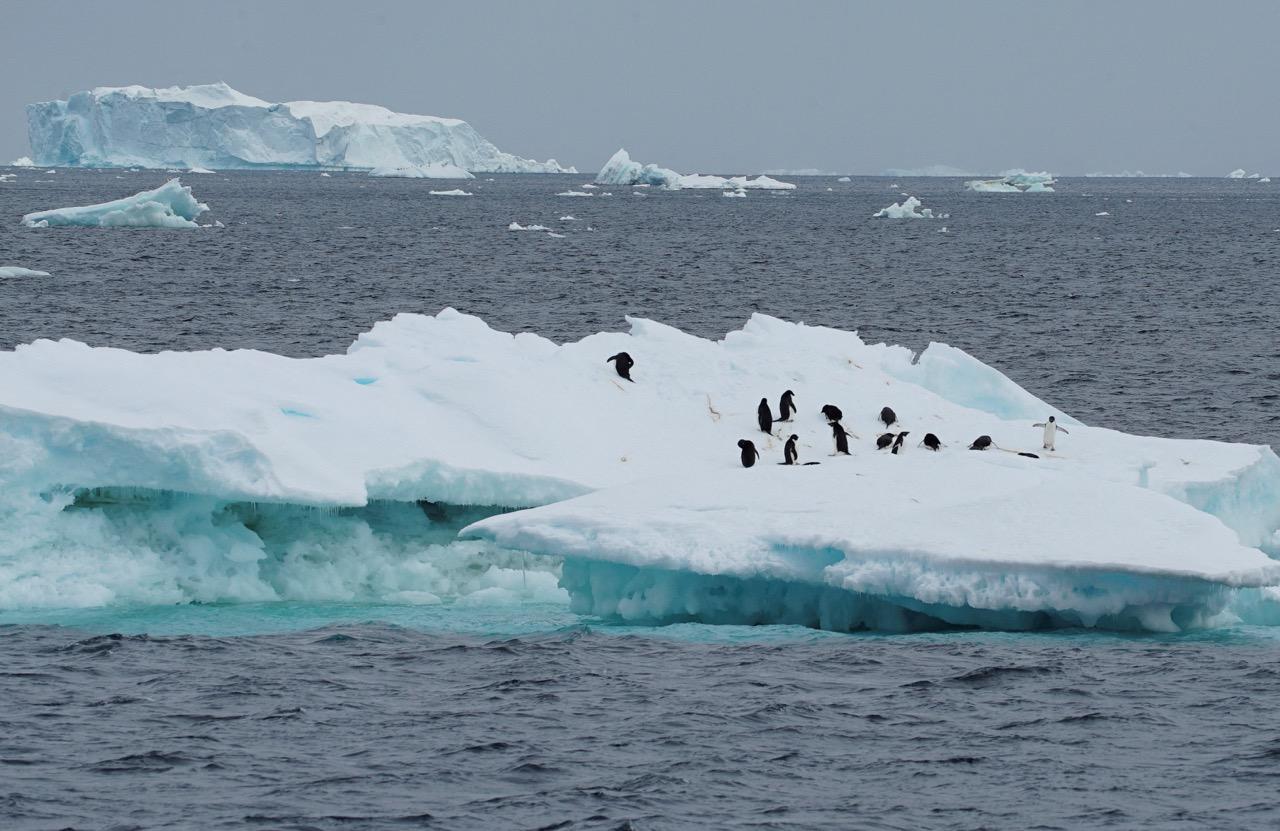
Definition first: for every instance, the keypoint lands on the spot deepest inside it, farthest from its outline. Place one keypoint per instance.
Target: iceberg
(8, 271)
(1238, 173)
(909, 209)
(844, 179)
(242, 475)
(216, 127)
(1014, 181)
(22, 161)
(621, 170)
(169, 206)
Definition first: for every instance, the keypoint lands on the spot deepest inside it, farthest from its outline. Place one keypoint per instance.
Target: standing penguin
(622, 363)
(832, 412)
(786, 406)
(1051, 429)
(842, 439)
(888, 416)
(749, 452)
(981, 443)
(931, 441)
(763, 417)
(897, 443)
(789, 454)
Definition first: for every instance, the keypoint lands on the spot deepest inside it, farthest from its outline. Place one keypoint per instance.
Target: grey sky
(732, 87)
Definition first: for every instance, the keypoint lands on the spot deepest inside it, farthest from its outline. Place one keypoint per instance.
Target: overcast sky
(731, 87)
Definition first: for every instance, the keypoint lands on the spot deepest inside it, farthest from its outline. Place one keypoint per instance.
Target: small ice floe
(454, 192)
(199, 170)
(589, 186)
(568, 218)
(894, 186)
(1265, 180)
(51, 171)
(8, 177)
(737, 193)
(516, 226)
(638, 193)
(1103, 213)
(554, 234)
(575, 193)
(942, 230)
(325, 175)
(7, 271)
(169, 206)
(844, 179)
(908, 209)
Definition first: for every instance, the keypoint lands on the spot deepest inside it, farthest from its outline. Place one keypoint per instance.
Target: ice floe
(621, 170)
(169, 206)
(454, 192)
(7, 271)
(908, 209)
(1014, 181)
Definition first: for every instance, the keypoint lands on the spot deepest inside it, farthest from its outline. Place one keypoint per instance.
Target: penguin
(931, 442)
(749, 452)
(884, 440)
(622, 363)
(981, 443)
(763, 417)
(786, 406)
(897, 443)
(888, 416)
(842, 439)
(832, 412)
(1051, 429)
(789, 455)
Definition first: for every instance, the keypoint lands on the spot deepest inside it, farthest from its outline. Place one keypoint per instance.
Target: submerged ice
(215, 126)
(169, 206)
(245, 475)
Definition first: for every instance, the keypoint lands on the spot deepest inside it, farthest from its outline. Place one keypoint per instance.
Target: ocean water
(1160, 317)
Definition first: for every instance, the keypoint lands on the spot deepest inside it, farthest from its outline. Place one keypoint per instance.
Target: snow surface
(424, 171)
(184, 450)
(169, 206)
(621, 170)
(7, 271)
(909, 209)
(214, 126)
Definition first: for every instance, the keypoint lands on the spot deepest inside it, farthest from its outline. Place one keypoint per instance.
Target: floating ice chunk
(454, 192)
(909, 209)
(169, 206)
(621, 170)
(16, 271)
(1014, 181)
(1238, 173)
(1264, 180)
(734, 193)
(568, 218)
(844, 179)
(8, 177)
(199, 170)
(516, 226)
(435, 170)
(578, 193)
(22, 161)
(325, 175)
(216, 127)
(554, 234)
(589, 186)
(1103, 213)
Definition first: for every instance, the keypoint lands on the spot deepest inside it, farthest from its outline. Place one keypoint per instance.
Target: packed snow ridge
(216, 127)
(169, 206)
(192, 476)
(621, 170)
(1014, 181)
(909, 209)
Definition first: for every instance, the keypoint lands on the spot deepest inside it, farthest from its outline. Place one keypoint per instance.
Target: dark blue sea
(1160, 317)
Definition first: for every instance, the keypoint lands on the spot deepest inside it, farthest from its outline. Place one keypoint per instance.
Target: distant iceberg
(1014, 181)
(931, 170)
(216, 127)
(22, 161)
(621, 170)
(422, 171)
(1238, 173)
(909, 209)
(169, 206)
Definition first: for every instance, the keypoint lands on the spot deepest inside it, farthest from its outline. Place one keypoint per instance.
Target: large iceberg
(214, 126)
(621, 170)
(169, 206)
(197, 476)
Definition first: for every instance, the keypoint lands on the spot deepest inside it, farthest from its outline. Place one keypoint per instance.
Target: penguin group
(890, 440)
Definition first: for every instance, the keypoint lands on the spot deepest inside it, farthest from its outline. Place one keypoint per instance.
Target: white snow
(621, 170)
(216, 127)
(7, 271)
(22, 161)
(169, 206)
(909, 209)
(423, 171)
(1014, 181)
(1112, 530)
(454, 192)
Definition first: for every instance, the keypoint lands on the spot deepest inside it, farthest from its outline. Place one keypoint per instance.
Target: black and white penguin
(749, 452)
(786, 406)
(842, 439)
(897, 443)
(789, 454)
(888, 416)
(622, 363)
(832, 412)
(884, 440)
(981, 443)
(1051, 428)
(931, 442)
(763, 417)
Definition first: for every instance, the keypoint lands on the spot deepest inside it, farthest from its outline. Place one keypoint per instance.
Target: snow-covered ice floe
(195, 476)
(1014, 181)
(435, 170)
(621, 170)
(908, 209)
(214, 126)
(454, 192)
(8, 271)
(169, 206)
